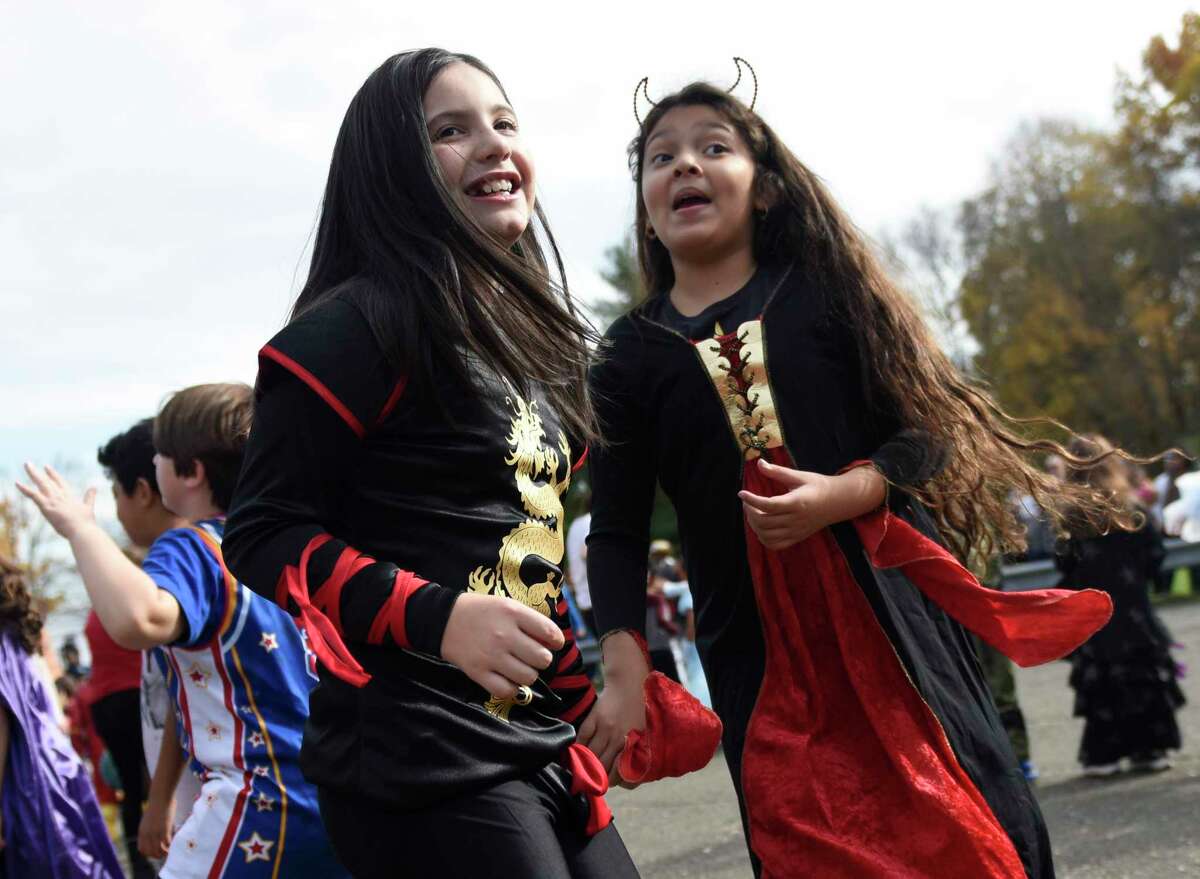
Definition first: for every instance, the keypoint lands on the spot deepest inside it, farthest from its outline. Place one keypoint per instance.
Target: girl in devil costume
(416, 425)
(827, 464)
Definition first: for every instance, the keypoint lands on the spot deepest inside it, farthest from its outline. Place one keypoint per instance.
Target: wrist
(859, 491)
(625, 660)
(81, 530)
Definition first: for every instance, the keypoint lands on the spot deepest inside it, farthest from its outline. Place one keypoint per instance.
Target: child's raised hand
(499, 643)
(57, 501)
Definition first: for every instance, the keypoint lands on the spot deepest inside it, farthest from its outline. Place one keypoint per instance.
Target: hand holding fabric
(680, 735)
(809, 502)
(621, 705)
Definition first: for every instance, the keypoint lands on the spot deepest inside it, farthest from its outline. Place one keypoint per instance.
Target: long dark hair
(16, 607)
(432, 284)
(904, 370)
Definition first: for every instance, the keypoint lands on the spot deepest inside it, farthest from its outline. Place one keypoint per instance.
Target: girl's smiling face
(474, 135)
(698, 184)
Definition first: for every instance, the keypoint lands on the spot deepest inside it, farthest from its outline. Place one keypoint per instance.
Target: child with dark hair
(1124, 678)
(114, 687)
(128, 459)
(50, 822)
(239, 675)
(820, 450)
(416, 425)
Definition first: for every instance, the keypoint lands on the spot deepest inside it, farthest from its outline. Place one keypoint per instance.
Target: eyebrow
(665, 132)
(459, 114)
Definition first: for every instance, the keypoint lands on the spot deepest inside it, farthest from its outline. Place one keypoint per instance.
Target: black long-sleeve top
(656, 407)
(366, 505)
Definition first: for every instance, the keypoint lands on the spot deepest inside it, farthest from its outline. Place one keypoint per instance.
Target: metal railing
(1041, 573)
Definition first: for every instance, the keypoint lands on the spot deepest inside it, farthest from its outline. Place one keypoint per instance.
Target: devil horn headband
(643, 87)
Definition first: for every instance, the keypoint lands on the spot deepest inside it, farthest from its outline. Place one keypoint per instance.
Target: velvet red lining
(1030, 627)
(317, 386)
(846, 769)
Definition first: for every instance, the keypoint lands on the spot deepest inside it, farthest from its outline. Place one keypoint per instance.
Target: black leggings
(118, 721)
(531, 828)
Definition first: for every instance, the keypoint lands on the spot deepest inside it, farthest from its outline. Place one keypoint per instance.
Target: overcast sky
(161, 163)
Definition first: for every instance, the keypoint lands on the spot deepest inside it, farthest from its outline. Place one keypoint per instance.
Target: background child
(239, 671)
(1124, 677)
(128, 459)
(50, 822)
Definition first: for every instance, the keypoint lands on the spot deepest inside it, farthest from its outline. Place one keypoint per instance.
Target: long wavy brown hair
(16, 606)
(991, 455)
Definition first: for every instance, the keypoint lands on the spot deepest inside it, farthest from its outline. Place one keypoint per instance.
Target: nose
(686, 164)
(493, 147)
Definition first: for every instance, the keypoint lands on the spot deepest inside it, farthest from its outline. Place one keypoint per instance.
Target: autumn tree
(1082, 257)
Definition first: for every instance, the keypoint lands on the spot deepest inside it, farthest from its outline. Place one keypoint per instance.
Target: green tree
(621, 271)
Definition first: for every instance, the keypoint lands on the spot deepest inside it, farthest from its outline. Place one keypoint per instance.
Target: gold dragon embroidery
(540, 535)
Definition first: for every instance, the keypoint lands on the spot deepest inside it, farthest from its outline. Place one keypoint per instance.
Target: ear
(198, 478)
(143, 495)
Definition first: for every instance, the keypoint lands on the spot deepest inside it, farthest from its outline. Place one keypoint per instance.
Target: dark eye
(660, 159)
(505, 125)
(447, 131)
(715, 149)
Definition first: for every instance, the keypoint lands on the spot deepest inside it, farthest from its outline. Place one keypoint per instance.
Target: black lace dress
(1124, 678)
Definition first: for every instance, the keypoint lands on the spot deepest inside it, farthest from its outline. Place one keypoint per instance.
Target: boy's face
(135, 511)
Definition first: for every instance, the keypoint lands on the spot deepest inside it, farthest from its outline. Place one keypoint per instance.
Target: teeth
(496, 186)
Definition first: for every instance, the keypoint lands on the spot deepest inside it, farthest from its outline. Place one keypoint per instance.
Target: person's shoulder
(177, 543)
(332, 348)
(336, 320)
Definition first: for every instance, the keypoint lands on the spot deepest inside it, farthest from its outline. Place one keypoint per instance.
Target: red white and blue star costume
(240, 678)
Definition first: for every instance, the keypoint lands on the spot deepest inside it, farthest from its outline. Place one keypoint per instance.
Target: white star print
(269, 642)
(256, 739)
(264, 803)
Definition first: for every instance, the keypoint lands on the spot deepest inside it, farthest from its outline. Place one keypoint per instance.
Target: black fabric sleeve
(910, 458)
(623, 484)
(322, 384)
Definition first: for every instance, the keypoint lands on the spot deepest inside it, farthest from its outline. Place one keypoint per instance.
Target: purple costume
(52, 823)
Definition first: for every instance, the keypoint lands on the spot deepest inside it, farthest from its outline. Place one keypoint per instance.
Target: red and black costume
(858, 728)
(366, 506)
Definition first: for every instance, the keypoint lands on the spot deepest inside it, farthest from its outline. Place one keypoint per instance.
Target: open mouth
(496, 186)
(690, 198)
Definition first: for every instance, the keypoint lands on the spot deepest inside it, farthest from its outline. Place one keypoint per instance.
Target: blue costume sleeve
(182, 565)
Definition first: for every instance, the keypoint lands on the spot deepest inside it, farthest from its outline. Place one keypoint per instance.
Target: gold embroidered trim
(744, 389)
